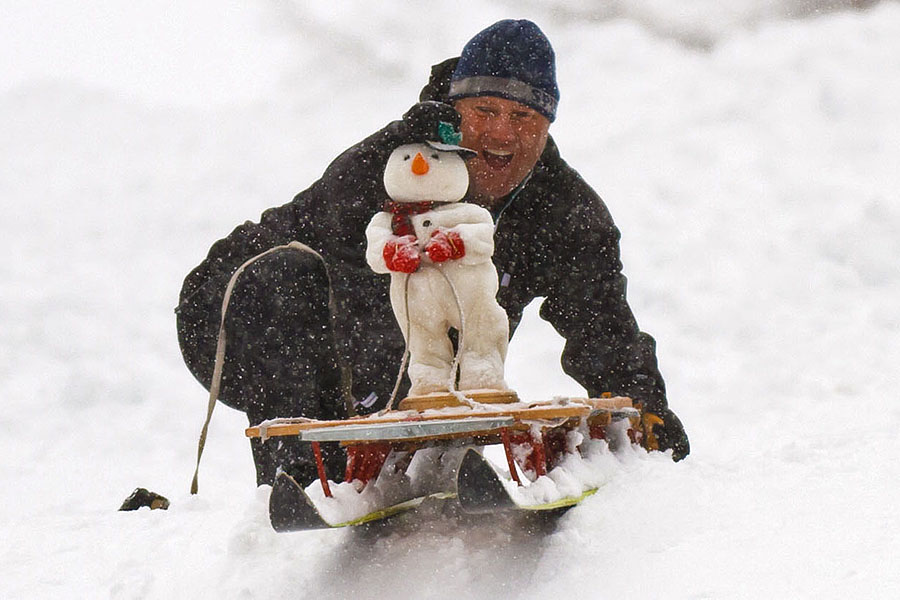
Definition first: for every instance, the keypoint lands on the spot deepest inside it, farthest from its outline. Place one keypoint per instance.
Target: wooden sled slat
(434, 401)
(560, 408)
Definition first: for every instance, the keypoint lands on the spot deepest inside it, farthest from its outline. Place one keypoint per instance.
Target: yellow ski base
(562, 502)
(393, 510)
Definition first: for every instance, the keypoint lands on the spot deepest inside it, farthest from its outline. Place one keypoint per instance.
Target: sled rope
(216, 384)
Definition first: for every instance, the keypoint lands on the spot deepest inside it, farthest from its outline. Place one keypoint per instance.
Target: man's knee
(278, 333)
(283, 285)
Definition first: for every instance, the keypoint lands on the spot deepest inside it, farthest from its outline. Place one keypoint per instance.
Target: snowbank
(753, 175)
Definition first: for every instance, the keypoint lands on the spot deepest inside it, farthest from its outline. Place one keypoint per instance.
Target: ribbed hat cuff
(511, 89)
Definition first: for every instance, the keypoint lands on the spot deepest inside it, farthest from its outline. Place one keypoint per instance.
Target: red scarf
(401, 224)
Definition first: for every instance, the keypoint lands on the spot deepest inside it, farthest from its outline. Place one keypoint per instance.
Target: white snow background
(749, 152)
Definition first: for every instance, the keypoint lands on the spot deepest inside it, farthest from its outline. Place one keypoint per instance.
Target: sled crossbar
(404, 430)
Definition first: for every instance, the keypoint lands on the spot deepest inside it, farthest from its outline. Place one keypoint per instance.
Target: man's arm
(605, 351)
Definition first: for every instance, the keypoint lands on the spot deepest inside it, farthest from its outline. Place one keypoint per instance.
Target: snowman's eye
(435, 156)
(406, 157)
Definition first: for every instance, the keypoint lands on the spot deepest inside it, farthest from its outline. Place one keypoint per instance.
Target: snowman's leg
(430, 358)
(430, 350)
(485, 342)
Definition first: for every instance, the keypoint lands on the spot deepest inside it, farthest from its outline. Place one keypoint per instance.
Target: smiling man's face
(508, 136)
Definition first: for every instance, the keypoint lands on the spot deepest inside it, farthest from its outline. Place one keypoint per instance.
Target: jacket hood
(438, 86)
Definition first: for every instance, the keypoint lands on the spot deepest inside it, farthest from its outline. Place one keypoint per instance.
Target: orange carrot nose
(419, 164)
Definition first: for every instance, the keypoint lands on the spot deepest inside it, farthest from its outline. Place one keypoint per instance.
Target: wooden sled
(534, 437)
(428, 418)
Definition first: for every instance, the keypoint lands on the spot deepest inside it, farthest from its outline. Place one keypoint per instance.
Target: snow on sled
(482, 488)
(431, 448)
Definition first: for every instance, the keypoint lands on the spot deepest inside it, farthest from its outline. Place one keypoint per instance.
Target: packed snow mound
(204, 54)
(697, 24)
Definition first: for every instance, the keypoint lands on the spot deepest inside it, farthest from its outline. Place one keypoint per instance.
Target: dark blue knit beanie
(512, 60)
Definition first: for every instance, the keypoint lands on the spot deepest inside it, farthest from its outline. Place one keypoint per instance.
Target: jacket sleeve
(200, 302)
(586, 303)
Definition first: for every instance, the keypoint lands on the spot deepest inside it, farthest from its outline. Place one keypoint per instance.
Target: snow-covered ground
(750, 157)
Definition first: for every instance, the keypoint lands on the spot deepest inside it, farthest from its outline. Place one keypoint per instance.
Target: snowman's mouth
(497, 159)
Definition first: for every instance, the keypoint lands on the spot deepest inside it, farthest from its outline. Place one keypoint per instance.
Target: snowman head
(426, 172)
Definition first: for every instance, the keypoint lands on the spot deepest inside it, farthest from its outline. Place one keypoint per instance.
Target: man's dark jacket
(554, 239)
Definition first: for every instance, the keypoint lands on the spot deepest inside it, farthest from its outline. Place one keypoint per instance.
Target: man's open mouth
(497, 159)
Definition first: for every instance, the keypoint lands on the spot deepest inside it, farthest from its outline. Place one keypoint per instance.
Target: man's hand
(445, 245)
(401, 254)
(665, 432)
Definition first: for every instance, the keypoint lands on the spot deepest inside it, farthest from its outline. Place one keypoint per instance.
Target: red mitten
(401, 254)
(445, 245)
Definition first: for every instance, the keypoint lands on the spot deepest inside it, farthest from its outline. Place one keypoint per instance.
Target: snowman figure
(438, 252)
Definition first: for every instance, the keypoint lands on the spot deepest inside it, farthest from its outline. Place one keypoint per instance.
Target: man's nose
(501, 129)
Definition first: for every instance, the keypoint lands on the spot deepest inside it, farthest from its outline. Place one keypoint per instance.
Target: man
(293, 349)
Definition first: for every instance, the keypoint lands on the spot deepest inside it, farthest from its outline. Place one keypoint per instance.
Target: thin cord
(454, 367)
(215, 385)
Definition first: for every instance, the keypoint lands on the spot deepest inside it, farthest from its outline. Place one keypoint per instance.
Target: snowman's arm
(377, 235)
(476, 228)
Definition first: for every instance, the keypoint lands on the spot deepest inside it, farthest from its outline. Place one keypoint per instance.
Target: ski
(481, 489)
(291, 508)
